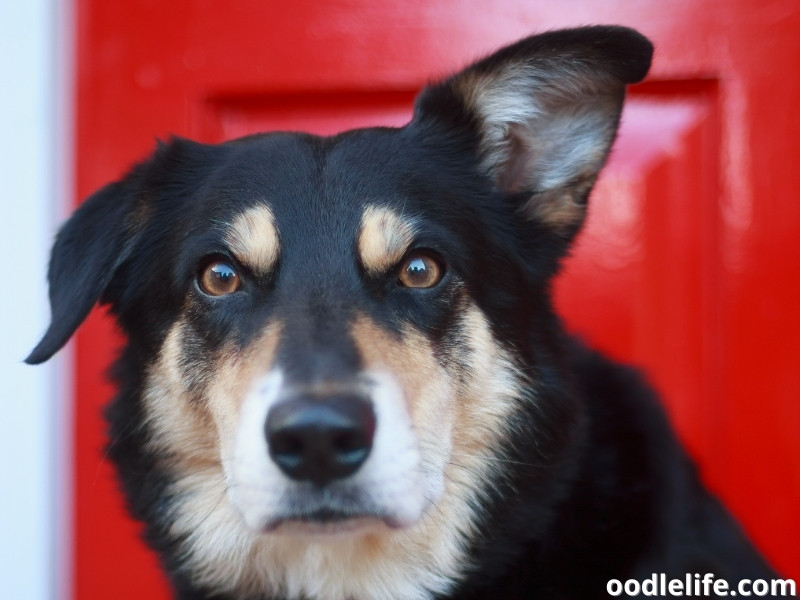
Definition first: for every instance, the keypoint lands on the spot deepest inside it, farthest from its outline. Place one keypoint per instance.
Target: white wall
(35, 113)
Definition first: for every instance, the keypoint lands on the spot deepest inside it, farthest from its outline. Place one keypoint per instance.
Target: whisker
(498, 459)
(108, 447)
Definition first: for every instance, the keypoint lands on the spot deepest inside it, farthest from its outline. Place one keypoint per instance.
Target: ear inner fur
(545, 111)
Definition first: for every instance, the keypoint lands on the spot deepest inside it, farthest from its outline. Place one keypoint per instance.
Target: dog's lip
(327, 522)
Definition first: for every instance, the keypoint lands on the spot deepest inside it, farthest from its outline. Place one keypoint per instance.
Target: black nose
(319, 440)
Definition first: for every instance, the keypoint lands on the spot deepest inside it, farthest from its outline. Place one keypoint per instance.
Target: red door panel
(223, 118)
(641, 283)
(688, 266)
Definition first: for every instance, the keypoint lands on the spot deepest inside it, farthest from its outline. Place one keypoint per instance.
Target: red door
(689, 265)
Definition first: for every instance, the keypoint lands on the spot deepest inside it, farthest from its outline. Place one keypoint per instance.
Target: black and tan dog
(343, 377)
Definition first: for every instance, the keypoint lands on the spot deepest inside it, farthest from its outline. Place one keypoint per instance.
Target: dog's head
(339, 344)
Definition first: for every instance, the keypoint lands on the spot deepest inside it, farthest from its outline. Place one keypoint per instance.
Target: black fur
(604, 492)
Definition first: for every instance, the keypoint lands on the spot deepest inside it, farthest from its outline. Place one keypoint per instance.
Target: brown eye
(219, 279)
(420, 270)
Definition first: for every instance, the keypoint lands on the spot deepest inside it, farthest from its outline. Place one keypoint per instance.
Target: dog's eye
(420, 270)
(219, 278)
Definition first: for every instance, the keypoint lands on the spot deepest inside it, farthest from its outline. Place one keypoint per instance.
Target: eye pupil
(416, 266)
(219, 279)
(223, 271)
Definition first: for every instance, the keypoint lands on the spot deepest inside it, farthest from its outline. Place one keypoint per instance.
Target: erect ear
(544, 112)
(88, 249)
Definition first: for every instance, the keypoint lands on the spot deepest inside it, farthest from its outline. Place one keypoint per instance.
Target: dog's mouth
(327, 521)
(332, 510)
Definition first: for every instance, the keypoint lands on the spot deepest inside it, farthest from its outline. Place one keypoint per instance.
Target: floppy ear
(88, 249)
(544, 112)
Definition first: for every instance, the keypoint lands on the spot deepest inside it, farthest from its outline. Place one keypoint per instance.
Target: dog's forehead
(304, 195)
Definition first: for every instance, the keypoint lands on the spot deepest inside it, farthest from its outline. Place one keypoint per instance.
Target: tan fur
(383, 239)
(179, 425)
(559, 209)
(459, 422)
(193, 428)
(254, 240)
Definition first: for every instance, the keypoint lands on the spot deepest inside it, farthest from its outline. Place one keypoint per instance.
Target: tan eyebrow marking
(383, 239)
(253, 239)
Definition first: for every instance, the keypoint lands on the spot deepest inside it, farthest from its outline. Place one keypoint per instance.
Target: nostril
(351, 447)
(288, 447)
(319, 440)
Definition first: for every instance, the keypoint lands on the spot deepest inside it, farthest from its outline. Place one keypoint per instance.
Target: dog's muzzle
(342, 460)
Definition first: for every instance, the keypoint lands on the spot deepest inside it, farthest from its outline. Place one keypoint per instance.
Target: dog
(343, 376)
